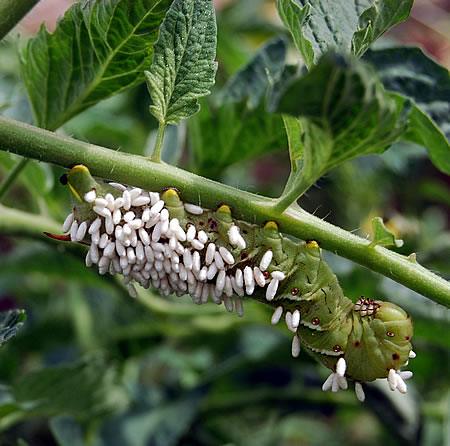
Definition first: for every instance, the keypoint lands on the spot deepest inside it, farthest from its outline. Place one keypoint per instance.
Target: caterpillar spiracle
(158, 241)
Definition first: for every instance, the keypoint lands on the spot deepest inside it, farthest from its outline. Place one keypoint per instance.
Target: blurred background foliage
(93, 367)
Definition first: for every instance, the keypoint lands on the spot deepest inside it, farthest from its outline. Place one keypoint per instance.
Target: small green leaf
(183, 67)
(295, 18)
(376, 20)
(98, 49)
(10, 322)
(411, 73)
(352, 116)
(382, 236)
(318, 26)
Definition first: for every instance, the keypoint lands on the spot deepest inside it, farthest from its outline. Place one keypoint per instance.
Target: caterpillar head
(379, 340)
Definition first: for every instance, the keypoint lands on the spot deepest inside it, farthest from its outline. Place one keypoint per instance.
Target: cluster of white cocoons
(336, 380)
(133, 235)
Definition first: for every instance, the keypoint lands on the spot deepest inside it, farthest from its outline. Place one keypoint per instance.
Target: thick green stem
(32, 142)
(11, 177)
(156, 155)
(11, 12)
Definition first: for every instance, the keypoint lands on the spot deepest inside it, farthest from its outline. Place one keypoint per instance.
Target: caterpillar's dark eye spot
(395, 356)
(243, 256)
(201, 223)
(266, 274)
(407, 337)
(294, 291)
(316, 321)
(63, 179)
(357, 344)
(390, 334)
(337, 348)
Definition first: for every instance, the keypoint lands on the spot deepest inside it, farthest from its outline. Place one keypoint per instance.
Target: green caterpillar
(159, 241)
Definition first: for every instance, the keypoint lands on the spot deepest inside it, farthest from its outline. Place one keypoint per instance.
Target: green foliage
(165, 425)
(318, 26)
(183, 67)
(237, 127)
(67, 431)
(36, 177)
(376, 20)
(252, 81)
(178, 374)
(98, 49)
(410, 73)
(352, 116)
(382, 236)
(50, 391)
(10, 322)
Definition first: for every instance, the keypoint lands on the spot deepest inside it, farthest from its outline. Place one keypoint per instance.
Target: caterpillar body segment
(158, 240)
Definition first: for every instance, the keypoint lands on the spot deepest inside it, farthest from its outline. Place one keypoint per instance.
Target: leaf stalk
(156, 155)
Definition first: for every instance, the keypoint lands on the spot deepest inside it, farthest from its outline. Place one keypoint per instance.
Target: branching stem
(35, 143)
